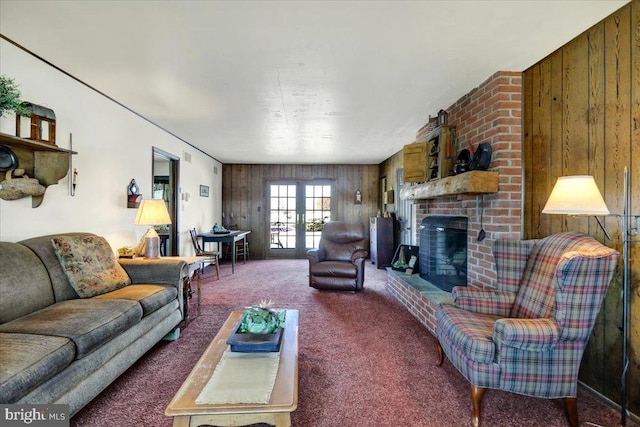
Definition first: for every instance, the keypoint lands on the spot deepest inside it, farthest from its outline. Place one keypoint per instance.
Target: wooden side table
(195, 268)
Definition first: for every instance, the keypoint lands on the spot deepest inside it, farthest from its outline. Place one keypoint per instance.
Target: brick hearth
(419, 296)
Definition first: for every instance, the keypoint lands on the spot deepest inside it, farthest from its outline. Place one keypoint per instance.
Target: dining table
(231, 236)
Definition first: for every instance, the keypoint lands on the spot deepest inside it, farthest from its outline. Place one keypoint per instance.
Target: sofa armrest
(160, 270)
(315, 255)
(483, 301)
(526, 334)
(360, 254)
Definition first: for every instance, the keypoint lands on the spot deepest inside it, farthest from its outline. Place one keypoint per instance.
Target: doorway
(165, 173)
(297, 212)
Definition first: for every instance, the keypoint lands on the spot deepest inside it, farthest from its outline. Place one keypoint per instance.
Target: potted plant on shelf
(10, 98)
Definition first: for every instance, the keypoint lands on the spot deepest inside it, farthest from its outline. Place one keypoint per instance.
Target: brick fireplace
(489, 113)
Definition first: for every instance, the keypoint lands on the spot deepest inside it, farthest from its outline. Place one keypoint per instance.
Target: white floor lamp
(579, 195)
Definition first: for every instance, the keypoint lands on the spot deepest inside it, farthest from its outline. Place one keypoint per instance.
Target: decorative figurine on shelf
(17, 188)
(442, 117)
(42, 127)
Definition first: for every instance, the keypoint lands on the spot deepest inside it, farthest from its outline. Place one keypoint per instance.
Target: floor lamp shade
(576, 195)
(151, 212)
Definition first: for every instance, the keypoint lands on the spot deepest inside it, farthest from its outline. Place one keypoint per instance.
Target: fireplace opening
(443, 251)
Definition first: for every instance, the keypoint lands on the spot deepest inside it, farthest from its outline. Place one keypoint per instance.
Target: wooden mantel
(478, 182)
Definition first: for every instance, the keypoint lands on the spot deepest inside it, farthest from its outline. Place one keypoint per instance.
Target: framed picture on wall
(204, 191)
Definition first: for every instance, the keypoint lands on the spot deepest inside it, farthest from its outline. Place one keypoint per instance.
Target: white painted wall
(113, 145)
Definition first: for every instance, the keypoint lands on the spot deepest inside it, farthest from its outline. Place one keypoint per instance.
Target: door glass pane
(282, 216)
(317, 212)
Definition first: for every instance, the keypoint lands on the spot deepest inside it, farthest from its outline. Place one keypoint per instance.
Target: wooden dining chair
(212, 256)
(242, 246)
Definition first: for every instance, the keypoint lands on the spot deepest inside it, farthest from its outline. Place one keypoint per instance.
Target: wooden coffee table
(284, 397)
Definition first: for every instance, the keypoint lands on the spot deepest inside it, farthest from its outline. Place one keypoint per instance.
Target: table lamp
(579, 195)
(151, 212)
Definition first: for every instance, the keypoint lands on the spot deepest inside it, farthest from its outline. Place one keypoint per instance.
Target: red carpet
(364, 361)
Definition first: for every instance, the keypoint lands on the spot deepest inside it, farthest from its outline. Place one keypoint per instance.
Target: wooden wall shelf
(432, 158)
(473, 182)
(45, 162)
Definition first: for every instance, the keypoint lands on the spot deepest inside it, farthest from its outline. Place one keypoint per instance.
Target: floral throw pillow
(89, 264)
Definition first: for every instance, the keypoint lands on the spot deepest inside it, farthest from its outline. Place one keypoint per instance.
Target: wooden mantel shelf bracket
(47, 163)
(472, 182)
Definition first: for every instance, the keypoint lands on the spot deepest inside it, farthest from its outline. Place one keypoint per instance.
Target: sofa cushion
(334, 269)
(27, 360)
(150, 297)
(469, 331)
(19, 267)
(89, 264)
(89, 323)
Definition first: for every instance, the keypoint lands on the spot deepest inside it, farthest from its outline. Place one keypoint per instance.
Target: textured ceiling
(293, 81)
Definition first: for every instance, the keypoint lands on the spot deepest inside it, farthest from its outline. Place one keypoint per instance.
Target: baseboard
(631, 416)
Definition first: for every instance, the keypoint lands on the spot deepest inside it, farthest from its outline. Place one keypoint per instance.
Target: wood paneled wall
(244, 193)
(389, 169)
(582, 117)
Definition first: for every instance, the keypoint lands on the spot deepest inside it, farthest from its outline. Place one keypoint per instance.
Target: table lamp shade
(576, 195)
(151, 212)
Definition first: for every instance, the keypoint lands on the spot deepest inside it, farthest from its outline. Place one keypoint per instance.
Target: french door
(297, 213)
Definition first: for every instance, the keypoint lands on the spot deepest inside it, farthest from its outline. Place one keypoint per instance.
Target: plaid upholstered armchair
(528, 335)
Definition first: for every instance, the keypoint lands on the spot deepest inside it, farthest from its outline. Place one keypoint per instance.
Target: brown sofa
(338, 262)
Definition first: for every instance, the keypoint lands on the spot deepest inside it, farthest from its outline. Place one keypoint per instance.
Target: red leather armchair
(338, 262)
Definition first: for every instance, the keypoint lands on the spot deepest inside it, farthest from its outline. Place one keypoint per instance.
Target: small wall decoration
(74, 175)
(388, 197)
(358, 198)
(133, 195)
(74, 181)
(204, 191)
